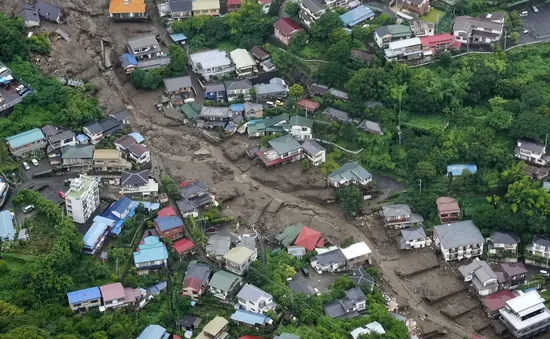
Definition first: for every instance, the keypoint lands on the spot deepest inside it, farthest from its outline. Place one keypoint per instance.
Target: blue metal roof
(250, 318)
(153, 332)
(7, 231)
(150, 206)
(82, 137)
(456, 169)
(25, 138)
(121, 205)
(177, 37)
(151, 249)
(84, 295)
(96, 231)
(137, 136)
(160, 286)
(357, 15)
(237, 107)
(168, 223)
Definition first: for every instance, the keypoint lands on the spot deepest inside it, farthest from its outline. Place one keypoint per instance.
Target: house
(494, 302)
(238, 259)
(110, 160)
(371, 328)
(269, 126)
(349, 174)
(170, 227)
(412, 238)
(296, 251)
(357, 255)
(275, 89)
(356, 16)
(206, 7)
(233, 5)
(486, 29)
(503, 244)
(301, 287)
(214, 92)
(407, 50)
(128, 10)
(29, 14)
(400, 216)
(223, 284)
(448, 209)
(330, 261)
(178, 38)
(266, 4)
(260, 54)
(98, 130)
(526, 316)
(245, 66)
(421, 28)
(23, 143)
(128, 62)
(383, 35)
(251, 318)
(314, 152)
(83, 300)
(301, 127)
(49, 11)
(434, 44)
(289, 235)
(336, 114)
(318, 89)
(113, 295)
(189, 322)
(338, 94)
(151, 255)
(531, 152)
(536, 172)
(309, 239)
(347, 307)
(23, 235)
(138, 183)
(215, 329)
(97, 234)
(196, 280)
(60, 139)
(284, 29)
(540, 246)
(122, 116)
(7, 231)
(79, 157)
(370, 127)
(254, 299)
(182, 86)
(211, 64)
(183, 246)
(514, 273)
(459, 240)
(216, 116)
(139, 154)
(154, 332)
(144, 47)
(194, 196)
(82, 139)
(179, 9)
(307, 105)
(82, 198)
(217, 247)
(284, 149)
(415, 7)
(483, 278)
(236, 89)
(362, 278)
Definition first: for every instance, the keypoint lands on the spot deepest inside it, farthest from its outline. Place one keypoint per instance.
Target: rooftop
(84, 295)
(287, 26)
(223, 280)
(112, 291)
(371, 126)
(251, 318)
(350, 171)
(78, 152)
(459, 234)
(447, 204)
(218, 245)
(336, 114)
(357, 15)
(25, 138)
(513, 269)
(127, 6)
(308, 105)
(96, 231)
(399, 44)
(356, 250)
(504, 237)
(239, 255)
(242, 58)
(177, 83)
(497, 300)
(138, 178)
(215, 326)
(183, 245)
(154, 332)
(284, 144)
(210, 59)
(149, 250)
(312, 147)
(143, 41)
(7, 231)
(79, 186)
(253, 293)
(167, 223)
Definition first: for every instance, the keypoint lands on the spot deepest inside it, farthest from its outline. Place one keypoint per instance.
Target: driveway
(380, 7)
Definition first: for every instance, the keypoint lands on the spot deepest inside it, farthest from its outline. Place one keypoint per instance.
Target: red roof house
(183, 246)
(496, 301)
(308, 105)
(285, 28)
(309, 239)
(439, 42)
(233, 5)
(191, 285)
(168, 211)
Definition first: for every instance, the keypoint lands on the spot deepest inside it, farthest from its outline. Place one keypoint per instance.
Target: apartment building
(526, 316)
(82, 198)
(78, 157)
(458, 241)
(383, 35)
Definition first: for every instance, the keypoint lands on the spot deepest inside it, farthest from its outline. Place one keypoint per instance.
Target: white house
(486, 29)
(540, 246)
(502, 242)
(404, 50)
(211, 64)
(526, 316)
(412, 238)
(253, 299)
(301, 127)
(349, 173)
(245, 65)
(223, 284)
(531, 152)
(139, 154)
(459, 240)
(357, 255)
(314, 152)
(484, 279)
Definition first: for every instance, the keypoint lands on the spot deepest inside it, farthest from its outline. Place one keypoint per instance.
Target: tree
(530, 125)
(514, 36)
(178, 59)
(296, 91)
(293, 10)
(249, 27)
(349, 132)
(181, 304)
(338, 34)
(13, 41)
(298, 40)
(425, 170)
(25, 332)
(340, 52)
(146, 79)
(274, 8)
(169, 187)
(333, 74)
(351, 199)
(321, 29)
(305, 165)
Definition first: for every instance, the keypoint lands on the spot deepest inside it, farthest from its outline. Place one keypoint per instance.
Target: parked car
(34, 162)
(524, 13)
(211, 230)
(317, 292)
(270, 104)
(61, 194)
(27, 167)
(279, 103)
(525, 31)
(535, 9)
(28, 208)
(305, 271)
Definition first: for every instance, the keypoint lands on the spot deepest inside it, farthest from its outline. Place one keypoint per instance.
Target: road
(380, 6)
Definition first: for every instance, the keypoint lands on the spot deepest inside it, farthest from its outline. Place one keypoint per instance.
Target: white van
(28, 208)
(524, 13)
(189, 100)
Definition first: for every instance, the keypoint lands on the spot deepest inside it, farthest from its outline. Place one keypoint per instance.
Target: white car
(535, 9)
(526, 31)
(34, 162)
(27, 167)
(317, 292)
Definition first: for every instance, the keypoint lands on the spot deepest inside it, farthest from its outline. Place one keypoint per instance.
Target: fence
(340, 147)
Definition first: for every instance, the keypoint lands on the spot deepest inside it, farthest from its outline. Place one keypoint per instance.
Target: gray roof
(62, 136)
(210, 59)
(349, 171)
(479, 269)
(338, 93)
(413, 233)
(238, 84)
(361, 277)
(198, 270)
(253, 293)
(223, 280)
(543, 240)
(382, 30)
(29, 13)
(334, 256)
(48, 10)
(312, 147)
(216, 112)
(300, 287)
(218, 245)
(355, 294)
(94, 127)
(181, 5)
(396, 210)
(214, 87)
(78, 152)
(175, 84)
(463, 23)
(338, 308)
(121, 115)
(458, 234)
(138, 178)
(275, 85)
(496, 16)
(371, 126)
(532, 146)
(314, 6)
(512, 269)
(142, 42)
(251, 106)
(336, 114)
(318, 89)
(195, 188)
(284, 144)
(248, 242)
(109, 126)
(50, 130)
(503, 237)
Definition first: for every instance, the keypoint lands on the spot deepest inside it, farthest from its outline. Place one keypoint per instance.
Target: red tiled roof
(193, 283)
(287, 26)
(233, 2)
(168, 211)
(183, 245)
(496, 301)
(320, 243)
(438, 39)
(307, 104)
(308, 238)
(446, 204)
(182, 184)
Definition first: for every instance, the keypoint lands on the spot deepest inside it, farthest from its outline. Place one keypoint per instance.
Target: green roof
(223, 280)
(301, 121)
(289, 234)
(398, 30)
(191, 111)
(78, 152)
(25, 138)
(284, 144)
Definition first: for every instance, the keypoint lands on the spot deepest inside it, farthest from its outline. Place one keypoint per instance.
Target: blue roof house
(121, 208)
(151, 255)
(128, 62)
(7, 231)
(154, 332)
(251, 318)
(83, 139)
(83, 300)
(170, 227)
(23, 143)
(178, 38)
(239, 108)
(357, 15)
(97, 233)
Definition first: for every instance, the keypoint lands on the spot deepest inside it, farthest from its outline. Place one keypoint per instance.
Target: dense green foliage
(351, 199)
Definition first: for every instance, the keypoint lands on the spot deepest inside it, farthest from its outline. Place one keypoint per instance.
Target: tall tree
(178, 59)
(351, 198)
(323, 27)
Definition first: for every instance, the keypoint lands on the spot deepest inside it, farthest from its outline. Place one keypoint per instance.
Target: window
(304, 129)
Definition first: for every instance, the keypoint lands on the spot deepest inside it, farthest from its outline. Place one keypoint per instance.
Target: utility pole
(504, 39)
(420, 184)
